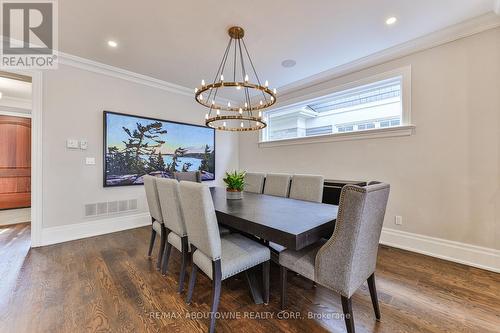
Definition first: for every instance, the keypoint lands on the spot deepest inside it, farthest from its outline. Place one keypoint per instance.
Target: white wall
(445, 179)
(73, 104)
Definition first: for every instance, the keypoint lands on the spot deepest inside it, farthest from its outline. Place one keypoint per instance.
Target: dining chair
(254, 182)
(191, 176)
(349, 257)
(156, 217)
(218, 257)
(277, 184)
(307, 187)
(168, 192)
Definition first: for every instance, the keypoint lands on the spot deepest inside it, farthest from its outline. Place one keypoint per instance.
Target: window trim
(405, 129)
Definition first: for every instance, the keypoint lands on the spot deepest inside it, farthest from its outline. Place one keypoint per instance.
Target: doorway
(15, 148)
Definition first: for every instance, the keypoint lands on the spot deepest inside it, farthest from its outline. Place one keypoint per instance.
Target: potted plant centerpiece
(235, 182)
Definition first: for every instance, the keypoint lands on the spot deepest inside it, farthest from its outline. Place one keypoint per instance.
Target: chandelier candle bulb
(224, 124)
(195, 90)
(202, 83)
(206, 116)
(228, 104)
(246, 77)
(241, 125)
(246, 105)
(260, 114)
(261, 102)
(266, 84)
(274, 91)
(222, 77)
(218, 112)
(240, 110)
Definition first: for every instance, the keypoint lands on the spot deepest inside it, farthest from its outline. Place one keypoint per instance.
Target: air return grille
(110, 207)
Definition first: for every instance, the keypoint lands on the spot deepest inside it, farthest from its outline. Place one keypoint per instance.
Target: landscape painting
(136, 146)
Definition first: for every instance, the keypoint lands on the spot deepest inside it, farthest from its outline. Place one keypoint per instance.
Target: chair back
(254, 182)
(307, 187)
(190, 176)
(277, 184)
(152, 198)
(349, 257)
(201, 221)
(170, 203)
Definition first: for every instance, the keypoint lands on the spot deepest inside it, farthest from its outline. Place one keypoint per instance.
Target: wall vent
(123, 205)
(110, 207)
(90, 210)
(113, 207)
(102, 208)
(132, 204)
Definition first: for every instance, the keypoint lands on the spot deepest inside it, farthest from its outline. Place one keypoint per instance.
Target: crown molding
(116, 72)
(446, 35)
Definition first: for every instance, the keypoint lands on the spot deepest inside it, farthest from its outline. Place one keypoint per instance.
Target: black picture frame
(105, 113)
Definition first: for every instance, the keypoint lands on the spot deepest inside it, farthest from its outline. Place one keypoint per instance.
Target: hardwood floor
(107, 284)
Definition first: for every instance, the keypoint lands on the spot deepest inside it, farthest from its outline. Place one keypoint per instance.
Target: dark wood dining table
(291, 223)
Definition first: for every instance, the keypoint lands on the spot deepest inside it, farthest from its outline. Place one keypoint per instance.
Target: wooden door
(15, 162)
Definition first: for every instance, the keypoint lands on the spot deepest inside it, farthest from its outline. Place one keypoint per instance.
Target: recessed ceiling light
(288, 63)
(112, 43)
(391, 20)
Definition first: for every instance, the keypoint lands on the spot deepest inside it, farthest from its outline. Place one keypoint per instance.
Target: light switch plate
(72, 144)
(90, 160)
(84, 144)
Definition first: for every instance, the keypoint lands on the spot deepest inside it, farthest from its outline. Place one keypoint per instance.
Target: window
(360, 107)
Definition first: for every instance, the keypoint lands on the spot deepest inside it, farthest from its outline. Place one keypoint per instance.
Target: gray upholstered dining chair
(191, 176)
(307, 187)
(156, 217)
(277, 184)
(348, 258)
(168, 192)
(254, 182)
(302, 187)
(218, 257)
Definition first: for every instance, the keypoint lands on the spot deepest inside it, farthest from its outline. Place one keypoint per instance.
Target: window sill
(405, 130)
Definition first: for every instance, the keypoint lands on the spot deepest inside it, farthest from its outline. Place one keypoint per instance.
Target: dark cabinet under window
(332, 189)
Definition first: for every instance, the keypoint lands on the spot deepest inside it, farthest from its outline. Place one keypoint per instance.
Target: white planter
(234, 195)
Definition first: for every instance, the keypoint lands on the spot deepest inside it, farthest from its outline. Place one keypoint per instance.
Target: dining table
(293, 224)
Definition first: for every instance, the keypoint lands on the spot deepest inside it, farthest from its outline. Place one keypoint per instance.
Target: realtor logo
(29, 38)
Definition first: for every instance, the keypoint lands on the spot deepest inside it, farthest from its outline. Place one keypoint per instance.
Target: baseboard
(15, 216)
(71, 232)
(472, 255)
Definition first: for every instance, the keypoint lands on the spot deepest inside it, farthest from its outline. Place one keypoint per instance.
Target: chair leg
(166, 257)
(373, 294)
(347, 308)
(216, 287)
(152, 242)
(162, 247)
(265, 280)
(192, 281)
(184, 254)
(283, 271)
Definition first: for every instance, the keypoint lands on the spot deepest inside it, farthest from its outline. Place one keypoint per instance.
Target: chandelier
(242, 110)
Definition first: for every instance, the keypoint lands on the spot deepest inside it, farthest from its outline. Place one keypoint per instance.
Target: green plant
(235, 180)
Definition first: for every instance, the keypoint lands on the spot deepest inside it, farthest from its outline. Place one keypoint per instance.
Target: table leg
(251, 276)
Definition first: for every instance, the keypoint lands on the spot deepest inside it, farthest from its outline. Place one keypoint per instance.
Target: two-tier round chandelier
(235, 104)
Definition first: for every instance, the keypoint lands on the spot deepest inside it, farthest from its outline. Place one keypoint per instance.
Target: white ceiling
(183, 41)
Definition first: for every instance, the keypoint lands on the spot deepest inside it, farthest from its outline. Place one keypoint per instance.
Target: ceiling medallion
(243, 113)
